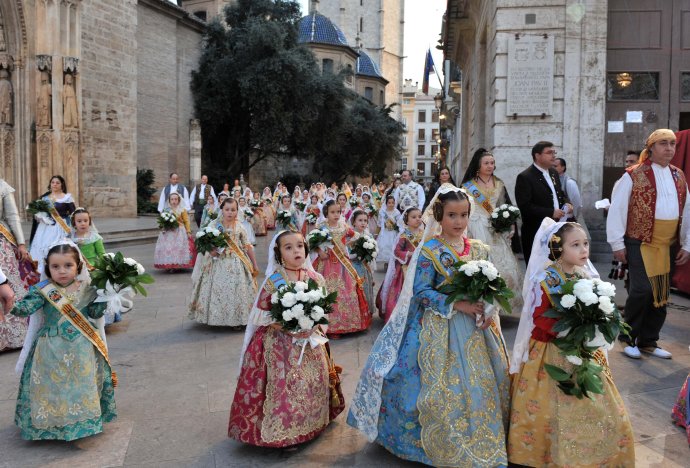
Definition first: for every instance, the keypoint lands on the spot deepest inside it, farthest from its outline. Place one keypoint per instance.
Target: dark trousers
(198, 212)
(644, 319)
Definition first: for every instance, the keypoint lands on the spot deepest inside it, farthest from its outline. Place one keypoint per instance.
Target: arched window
(369, 93)
(327, 65)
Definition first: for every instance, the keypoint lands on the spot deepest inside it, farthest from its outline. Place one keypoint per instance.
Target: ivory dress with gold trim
(551, 429)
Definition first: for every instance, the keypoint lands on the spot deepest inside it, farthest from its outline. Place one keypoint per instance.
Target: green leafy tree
(258, 94)
(145, 190)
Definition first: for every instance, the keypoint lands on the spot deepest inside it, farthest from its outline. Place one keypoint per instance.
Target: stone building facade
(76, 80)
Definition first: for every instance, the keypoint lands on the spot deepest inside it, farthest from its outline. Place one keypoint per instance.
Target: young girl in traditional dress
(389, 226)
(269, 209)
(175, 247)
(359, 221)
(435, 388)
(548, 427)
(286, 205)
(245, 218)
(280, 401)
(210, 210)
(85, 235)
(223, 293)
(66, 390)
(351, 313)
(313, 208)
(372, 219)
(681, 411)
(258, 221)
(397, 266)
(345, 208)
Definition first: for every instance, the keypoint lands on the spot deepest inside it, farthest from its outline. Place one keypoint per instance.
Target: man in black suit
(538, 194)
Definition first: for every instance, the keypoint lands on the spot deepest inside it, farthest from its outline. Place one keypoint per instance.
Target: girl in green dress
(66, 390)
(85, 235)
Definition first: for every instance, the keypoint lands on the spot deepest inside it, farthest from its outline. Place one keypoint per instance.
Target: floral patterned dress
(278, 401)
(269, 213)
(175, 247)
(389, 291)
(66, 390)
(224, 293)
(550, 428)
(351, 313)
(445, 400)
(681, 410)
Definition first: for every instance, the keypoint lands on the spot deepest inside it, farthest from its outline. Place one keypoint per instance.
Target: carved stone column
(194, 151)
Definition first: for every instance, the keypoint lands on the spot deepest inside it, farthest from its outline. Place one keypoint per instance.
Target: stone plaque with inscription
(530, 75)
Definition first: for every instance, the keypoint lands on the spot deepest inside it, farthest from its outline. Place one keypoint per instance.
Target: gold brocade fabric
(551, 429)
(656, 257)
(304, 386)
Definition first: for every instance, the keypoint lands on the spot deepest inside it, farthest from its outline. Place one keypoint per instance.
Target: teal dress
(445, 399)
(364, 271)
(66, 390)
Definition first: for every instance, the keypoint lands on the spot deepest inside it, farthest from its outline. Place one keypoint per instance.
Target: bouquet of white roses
(300, 205)
(117, 278)
(365, 248)
(167, 221)
(371, 210)
(588, 320)
(284, 217)
(255, 203)
(503, 217)
(354, 201)
(320, 238)
(311, 218)
(248, 214)
(477, 280)
(301, 305)
(208, 239)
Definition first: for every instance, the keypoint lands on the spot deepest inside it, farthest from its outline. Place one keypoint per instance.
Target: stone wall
(168, 50)
(108, 72)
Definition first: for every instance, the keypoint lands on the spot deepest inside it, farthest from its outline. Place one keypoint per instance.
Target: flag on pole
(429, 68)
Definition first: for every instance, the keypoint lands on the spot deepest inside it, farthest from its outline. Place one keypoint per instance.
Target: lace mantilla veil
(37, 319)
(366, 403)
(258, 317)
(531, 289)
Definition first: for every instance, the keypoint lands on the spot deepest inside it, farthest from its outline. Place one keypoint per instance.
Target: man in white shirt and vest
(173, 186)
(199, 197)
(646, 217)
(409, 193)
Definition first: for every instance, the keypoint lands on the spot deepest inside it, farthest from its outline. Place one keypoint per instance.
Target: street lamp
(438, 102)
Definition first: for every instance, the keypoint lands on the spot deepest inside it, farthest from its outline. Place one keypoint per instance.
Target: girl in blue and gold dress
(435, 388)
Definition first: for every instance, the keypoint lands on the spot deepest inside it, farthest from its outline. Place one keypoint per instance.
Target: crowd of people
(439, 386)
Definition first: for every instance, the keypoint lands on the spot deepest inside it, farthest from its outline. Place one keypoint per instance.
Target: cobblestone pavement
(177, 380)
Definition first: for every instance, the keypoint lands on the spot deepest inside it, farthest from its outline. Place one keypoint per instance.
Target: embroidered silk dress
(225, 291)
(66, 389)
(269, 213)
(175, 247)
(390, 289)
(445, 400)
(681, 410)
(351, 313)
(363, 269)
(287, 226)
(258, 222)
(389, 228)
(500, 252)
(247, 224)
(13, 329)
(550, 428)
(278, 401)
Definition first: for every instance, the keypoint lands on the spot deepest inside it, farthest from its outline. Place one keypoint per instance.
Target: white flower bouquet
(208, 239)
(284, 217)
(167, 221)
(117, 278)
(371, 210)
(588, 320)
(300, 205)
(255, 203)
(353, 201)
(300, 306)
(320, 238)
(503, 217)
(248, 214)
(477, 280)
(365, 249)
(311, 218)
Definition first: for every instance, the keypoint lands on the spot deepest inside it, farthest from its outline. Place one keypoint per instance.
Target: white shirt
(202, 189)
(573, 192)
(547, 177)
(666, 207)
(162, 203)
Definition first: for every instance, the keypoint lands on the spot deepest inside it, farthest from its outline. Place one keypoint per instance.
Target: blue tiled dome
(319, 29)
(366, 66)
